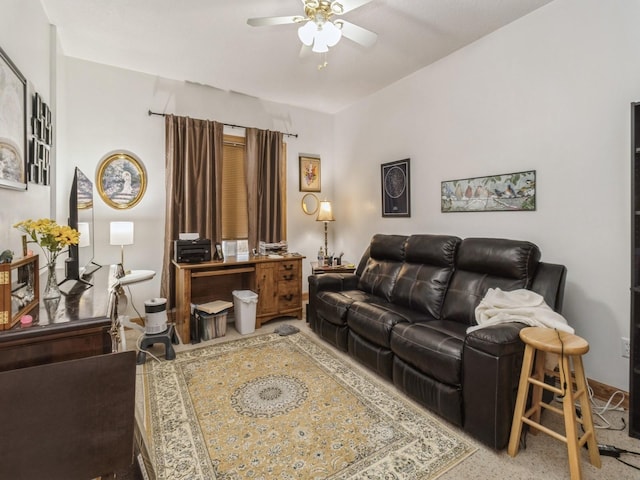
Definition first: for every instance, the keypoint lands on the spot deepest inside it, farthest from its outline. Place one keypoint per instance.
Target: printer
(192, 251)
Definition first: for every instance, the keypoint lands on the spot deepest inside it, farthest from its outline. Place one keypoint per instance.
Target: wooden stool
(539, 341)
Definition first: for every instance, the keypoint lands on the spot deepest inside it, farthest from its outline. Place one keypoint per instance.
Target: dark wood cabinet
(634, 335)
(75, 326)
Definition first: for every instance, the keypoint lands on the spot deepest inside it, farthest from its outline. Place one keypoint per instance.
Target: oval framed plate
(121, 180)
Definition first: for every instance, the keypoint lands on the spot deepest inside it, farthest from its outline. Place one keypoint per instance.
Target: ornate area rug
(272, 407)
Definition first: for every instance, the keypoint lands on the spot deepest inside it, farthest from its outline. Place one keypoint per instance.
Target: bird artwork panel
(507, 192)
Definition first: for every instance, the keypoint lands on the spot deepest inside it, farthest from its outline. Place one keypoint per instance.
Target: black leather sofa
(405, 311)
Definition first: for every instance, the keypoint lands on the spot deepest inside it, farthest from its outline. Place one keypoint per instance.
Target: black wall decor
(40, 144)
(396, 195)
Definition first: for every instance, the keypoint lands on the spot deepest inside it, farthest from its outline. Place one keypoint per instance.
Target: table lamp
(325, 215)
(121, 234)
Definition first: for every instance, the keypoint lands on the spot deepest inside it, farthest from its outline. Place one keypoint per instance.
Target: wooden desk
(277, 281)
(75, 326)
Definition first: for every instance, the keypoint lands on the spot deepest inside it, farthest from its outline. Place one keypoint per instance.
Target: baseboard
(603, 392)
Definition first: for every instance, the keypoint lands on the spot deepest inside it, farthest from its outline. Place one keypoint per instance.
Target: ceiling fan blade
(348, 5)
(267, 21)
(360, 35)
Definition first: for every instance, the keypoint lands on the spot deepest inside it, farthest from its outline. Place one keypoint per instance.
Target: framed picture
(309, 173)
(218, 255)
(121, 180)
(508, 192)
(13, 125)
(396, 192)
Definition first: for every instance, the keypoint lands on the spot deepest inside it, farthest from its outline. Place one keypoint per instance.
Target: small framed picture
(396, 195)
(309, 173)
(218, 255)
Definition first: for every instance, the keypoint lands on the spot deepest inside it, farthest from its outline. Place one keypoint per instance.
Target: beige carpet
(267, 406)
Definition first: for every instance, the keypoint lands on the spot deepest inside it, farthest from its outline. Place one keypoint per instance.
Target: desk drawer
(288, 295)
(289, 271)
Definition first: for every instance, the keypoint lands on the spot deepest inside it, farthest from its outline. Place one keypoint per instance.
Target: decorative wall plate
(121, 180)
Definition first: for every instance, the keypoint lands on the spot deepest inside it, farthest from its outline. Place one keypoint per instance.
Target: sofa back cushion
(386, 254)
(424, 276)
(484, 263)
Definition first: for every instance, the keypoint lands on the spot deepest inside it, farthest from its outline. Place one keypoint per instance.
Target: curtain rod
(226, 124)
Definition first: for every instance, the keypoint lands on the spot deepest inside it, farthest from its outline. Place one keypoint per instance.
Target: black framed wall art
(396, 191)
(13, 125)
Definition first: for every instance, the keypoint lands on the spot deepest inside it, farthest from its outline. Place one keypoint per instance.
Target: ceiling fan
(319, 29)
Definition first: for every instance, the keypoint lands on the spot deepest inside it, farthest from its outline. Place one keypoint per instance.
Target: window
(235, 217)
(235, 221)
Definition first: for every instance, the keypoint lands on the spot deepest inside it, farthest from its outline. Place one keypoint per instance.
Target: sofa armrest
(502, 339)
(327, 282)
(491, 371)
(333, 282)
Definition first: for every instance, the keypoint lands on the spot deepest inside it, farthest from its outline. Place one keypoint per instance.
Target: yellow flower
(51, 237)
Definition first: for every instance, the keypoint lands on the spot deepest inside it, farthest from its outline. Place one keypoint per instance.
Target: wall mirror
(310, 204)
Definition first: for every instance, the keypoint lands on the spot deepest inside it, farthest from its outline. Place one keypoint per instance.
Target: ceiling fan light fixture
(331, 34)
(320, 44)
(307, 32)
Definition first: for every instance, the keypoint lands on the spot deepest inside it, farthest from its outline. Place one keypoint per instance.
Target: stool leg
(587, 418)
(536, 394)
(570, 422)
(521, 401)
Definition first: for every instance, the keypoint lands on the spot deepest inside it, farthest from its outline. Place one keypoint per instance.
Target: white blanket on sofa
(522, 306)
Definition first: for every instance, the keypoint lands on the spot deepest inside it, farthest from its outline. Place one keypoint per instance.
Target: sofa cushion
(333, 306)
(484, 263)
(433, 348)
(424, 277)
(374, 319)
(386, 254)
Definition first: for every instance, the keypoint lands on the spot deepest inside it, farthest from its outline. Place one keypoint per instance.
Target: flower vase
(51, 290)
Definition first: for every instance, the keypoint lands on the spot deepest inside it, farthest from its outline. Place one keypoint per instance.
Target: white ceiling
(209, 42)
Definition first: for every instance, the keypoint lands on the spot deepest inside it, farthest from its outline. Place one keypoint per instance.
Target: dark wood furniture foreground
(72, 419)
(634, 333)
(277, 281)
(75, 326)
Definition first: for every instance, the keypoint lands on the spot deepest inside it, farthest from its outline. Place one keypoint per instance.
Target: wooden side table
(344, 268)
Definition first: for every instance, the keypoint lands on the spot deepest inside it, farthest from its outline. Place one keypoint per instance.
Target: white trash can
(244, 306)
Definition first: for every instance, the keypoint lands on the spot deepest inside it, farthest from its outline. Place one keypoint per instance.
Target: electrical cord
(563, 376)
(615, 452)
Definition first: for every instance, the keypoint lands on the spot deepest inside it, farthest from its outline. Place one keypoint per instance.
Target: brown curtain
(193, 184)
(266, 186)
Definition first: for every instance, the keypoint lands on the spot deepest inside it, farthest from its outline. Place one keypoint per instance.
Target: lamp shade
(121, 233)
(85, 235)
(306, 32)
(324, 212)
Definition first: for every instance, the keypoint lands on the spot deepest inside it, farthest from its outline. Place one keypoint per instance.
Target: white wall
(105, 109)
(550, 92)
(24, 37)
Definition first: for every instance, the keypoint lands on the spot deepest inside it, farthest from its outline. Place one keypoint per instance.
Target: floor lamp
(325, 215)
